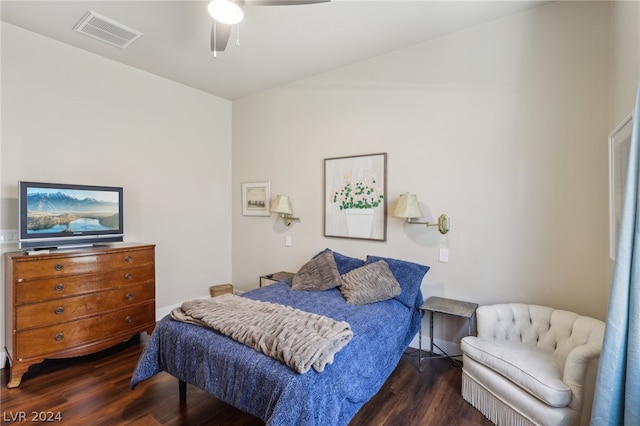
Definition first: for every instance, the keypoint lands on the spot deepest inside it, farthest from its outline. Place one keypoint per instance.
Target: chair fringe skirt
(489, 405)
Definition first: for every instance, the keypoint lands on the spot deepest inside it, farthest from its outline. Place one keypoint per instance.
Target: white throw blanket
(297, 338)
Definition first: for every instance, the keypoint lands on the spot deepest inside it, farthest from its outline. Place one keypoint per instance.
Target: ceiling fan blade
(220, 33)
(282, 2)
(219, 36)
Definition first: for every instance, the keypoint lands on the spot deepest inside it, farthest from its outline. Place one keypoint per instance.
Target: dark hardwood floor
(94, 390)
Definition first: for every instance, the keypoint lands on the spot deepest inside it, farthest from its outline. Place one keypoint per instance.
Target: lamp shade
(281, 204)
(407, 207)
(225, 11)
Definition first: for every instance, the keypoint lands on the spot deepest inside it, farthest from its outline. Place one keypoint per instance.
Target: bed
(274, 392)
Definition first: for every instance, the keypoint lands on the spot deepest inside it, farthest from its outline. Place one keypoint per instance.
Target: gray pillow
(318, 274)
(373, 282)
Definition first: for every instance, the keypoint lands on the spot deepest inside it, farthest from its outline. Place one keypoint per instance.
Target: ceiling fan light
(225, 11)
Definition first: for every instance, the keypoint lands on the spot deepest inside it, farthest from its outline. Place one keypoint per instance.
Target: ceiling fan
(226, 13)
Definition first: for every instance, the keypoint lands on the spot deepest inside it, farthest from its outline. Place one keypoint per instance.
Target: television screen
(52, 214)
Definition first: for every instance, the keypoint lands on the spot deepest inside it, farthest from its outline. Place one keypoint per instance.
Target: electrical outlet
(9, 236)
(443, 256)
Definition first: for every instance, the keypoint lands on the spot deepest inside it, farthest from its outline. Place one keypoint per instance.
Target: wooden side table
(442, 305)
(220, 289)
(275, 277)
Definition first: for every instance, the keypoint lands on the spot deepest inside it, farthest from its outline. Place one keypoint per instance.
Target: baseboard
(451, 348)
(3, 359)
(166, 310)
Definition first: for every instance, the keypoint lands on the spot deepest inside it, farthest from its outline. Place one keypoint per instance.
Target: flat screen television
(54, 215)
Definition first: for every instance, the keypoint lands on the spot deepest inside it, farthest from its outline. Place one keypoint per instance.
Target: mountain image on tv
(74, 211)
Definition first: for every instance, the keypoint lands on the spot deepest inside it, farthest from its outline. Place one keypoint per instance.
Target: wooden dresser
(75, 302)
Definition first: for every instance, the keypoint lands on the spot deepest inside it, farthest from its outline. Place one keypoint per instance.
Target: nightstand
(449, 307)
(275, 277)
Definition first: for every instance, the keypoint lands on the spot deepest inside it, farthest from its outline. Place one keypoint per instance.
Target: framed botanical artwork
(355, 204)
(255, 198)
(619, 144)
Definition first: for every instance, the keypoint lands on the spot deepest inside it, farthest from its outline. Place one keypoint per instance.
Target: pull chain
(215, 39)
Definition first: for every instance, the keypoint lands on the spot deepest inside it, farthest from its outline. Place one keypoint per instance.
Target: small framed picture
(619, 145)
(255, 198)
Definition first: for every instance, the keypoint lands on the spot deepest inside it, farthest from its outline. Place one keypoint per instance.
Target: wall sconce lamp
(282, 205)
(409, 209)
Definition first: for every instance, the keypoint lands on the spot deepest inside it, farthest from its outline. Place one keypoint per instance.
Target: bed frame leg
(182, 386)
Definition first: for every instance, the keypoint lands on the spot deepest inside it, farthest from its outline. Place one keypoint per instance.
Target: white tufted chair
(531, 365)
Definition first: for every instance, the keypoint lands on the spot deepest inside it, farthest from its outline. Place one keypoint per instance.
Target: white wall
(503, 127)
(625, 34)
(73, 117)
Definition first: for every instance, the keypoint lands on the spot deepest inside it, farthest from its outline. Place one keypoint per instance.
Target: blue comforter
(270, 390)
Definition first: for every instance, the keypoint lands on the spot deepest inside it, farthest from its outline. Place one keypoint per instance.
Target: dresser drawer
(30, 268)
(127, 259)
(129, 276)
(71, 308)
(55, 288)
(56, 338)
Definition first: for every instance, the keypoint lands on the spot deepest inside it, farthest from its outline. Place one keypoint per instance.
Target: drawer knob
(128, 258)
(128, 319)
(59, 337)
(59, 310)
(59, 267)
(128, 276)
(59, 287)
(128, 296)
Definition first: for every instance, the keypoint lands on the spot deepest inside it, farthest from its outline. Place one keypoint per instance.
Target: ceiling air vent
(107, 30)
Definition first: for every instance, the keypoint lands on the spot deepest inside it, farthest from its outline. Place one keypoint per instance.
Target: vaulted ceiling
(277, 44)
